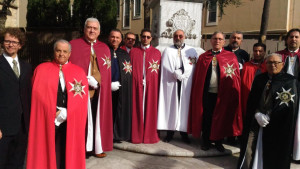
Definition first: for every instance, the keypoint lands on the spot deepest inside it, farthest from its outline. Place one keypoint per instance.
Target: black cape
(242, 55)
(278, 135)
(122, 98)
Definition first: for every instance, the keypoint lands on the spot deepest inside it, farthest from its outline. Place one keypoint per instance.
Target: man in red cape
(215, 107)
(251, 69)
(44, 151)
(129, 42)
(145, 61)
(100, 120)
(291, 54)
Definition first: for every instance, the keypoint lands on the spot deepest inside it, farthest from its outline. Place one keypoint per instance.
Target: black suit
(15, 98)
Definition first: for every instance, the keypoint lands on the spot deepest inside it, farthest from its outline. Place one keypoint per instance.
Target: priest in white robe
(177, 66)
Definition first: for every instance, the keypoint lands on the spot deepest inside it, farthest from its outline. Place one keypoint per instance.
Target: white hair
(274, 54)
(92, 20)
(62, 41)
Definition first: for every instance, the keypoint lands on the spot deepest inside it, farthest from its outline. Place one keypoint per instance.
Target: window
(126, 13)
(137, 9)
(211, 13)
(118, 9)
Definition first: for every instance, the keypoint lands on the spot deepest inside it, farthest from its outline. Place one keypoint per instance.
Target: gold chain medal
(214, 61)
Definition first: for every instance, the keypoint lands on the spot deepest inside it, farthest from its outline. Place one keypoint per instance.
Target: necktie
(15, 68)
(179, 52)
(94, 70)
(61, 78)
(267, 88)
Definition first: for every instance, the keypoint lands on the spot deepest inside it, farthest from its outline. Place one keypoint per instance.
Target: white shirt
(10, 60)
(128, 49)
(145, 47)
(292, 61)
(63, 111)
(213, 84)
(62, 79)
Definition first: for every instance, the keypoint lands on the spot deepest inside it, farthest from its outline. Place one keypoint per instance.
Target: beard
(178, 43)
(234, 45)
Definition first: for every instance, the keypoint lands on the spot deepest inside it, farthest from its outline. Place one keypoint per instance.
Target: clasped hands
(180, 76)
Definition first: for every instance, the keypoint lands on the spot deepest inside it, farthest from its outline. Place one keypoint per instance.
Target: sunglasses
(148, 37)
(130, 39)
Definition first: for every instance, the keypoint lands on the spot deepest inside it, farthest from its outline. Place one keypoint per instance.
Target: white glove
(92, 82)
(178, 74)
(115, 86)
(144, 82)
(262, 119)
(61, 117)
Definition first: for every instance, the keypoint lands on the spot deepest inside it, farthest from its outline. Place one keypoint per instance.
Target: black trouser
(13, 149)
(209, 103)
(171, 133)
(60, 145)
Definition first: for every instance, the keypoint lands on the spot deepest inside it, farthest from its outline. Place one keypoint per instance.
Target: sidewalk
(173, 155)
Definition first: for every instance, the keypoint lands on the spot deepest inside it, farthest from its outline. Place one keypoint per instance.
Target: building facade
(17, 14)
(246, 18)
(130, 16)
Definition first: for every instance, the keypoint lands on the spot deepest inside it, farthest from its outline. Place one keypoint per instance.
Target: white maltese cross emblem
(127, 67)
(229, 70)
(154, 66)
(77, 88)
(106, 61)
(285, 96)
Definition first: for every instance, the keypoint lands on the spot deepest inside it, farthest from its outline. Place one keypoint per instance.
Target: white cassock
(173, 115)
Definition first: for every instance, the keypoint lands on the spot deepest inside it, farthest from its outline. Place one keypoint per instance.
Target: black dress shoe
(232, 141)
(185, 139)
(117, 141)
(205, 147)
(220, 147)
(167, 139)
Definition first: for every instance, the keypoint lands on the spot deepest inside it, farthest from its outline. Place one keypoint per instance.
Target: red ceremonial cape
(123, 47)
(227, 117)
(41, 139)
(247, 77)
(144, 129)
(285, 53)
(81, 53)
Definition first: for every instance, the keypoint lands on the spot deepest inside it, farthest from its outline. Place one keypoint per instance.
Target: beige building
(17, 17)
(284, 15)
(130, 16)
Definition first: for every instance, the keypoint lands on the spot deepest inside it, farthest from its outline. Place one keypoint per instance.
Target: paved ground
(119, 159)
(173, 155)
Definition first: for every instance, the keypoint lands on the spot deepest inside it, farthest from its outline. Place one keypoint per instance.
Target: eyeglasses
(130, 39)
(148, 37)
(14, 43)
(271, 63)
(91, 27)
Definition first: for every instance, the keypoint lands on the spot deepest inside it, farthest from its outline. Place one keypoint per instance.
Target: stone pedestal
(168, 16)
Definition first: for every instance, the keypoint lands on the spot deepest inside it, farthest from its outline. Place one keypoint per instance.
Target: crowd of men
(94, 94)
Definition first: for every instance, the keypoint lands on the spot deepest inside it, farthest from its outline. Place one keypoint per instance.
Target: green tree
(48, 13)
(105, 11)
(4, 12)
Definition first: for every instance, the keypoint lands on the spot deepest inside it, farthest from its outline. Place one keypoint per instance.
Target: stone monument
(168, 16)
